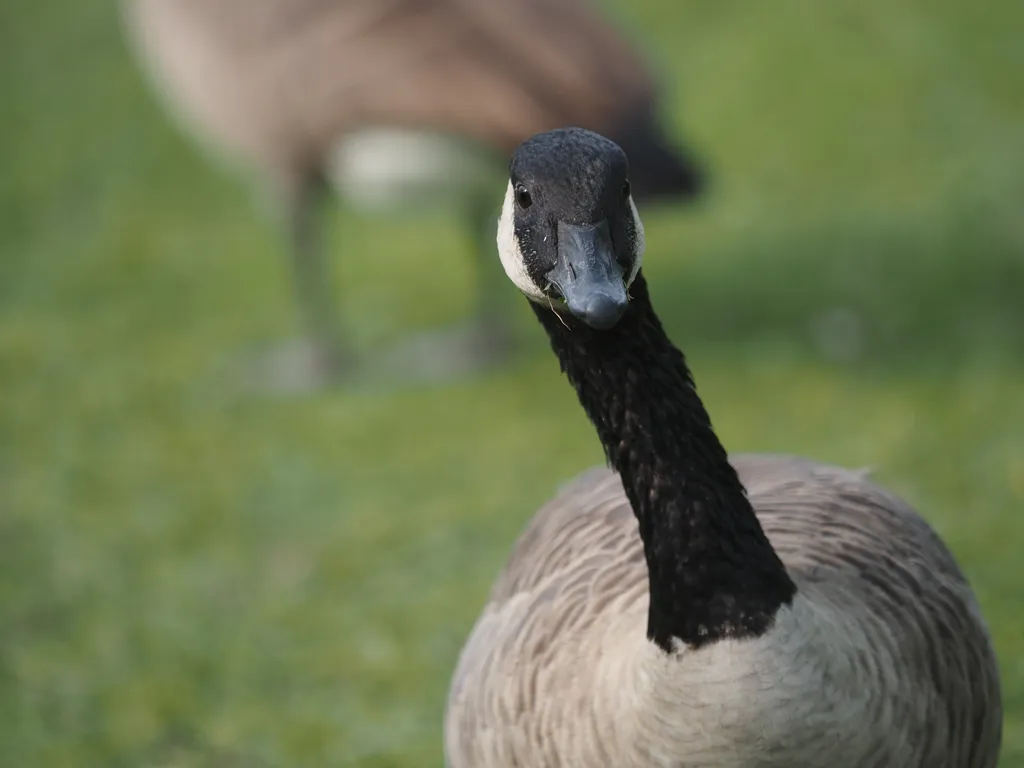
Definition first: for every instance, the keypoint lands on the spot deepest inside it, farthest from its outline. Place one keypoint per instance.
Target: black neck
(713, 574)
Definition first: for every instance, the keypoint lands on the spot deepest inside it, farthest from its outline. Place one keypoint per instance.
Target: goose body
(395, 102)
(685, 608)
(558, 670)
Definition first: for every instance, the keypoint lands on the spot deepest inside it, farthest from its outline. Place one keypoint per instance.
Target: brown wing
(579, 555)
(588, 515)
(859, 543)
(287, 76)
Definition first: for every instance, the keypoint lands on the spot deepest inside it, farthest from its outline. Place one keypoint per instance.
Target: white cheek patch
(639, 245)
(510, 252)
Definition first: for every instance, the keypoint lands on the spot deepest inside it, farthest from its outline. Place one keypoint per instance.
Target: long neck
(713, 574)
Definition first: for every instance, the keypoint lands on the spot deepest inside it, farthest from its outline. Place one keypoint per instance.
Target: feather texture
(883, 652)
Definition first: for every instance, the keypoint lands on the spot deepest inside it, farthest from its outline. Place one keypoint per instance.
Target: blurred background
(193, 573)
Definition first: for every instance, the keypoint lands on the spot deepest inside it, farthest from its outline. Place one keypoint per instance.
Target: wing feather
(300, 72)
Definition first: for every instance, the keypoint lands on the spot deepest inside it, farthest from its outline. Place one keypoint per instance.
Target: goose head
(569, 234)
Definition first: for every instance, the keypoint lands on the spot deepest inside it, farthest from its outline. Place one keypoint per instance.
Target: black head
(569, 231)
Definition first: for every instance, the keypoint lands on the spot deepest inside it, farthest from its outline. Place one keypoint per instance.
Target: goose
(686, 608)
(392, 103)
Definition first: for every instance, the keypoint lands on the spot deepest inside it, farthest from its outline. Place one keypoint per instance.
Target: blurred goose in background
(687, 608)
(398, 101)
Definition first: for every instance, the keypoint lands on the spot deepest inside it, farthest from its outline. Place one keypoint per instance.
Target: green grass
(192, 575)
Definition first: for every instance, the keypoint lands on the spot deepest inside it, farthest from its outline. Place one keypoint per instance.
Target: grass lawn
(194, 575)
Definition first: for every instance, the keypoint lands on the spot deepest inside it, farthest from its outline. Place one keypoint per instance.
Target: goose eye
(626, 189)
(523, 196)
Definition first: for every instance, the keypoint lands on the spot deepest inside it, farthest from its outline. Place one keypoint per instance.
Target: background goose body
(396, 103)
(274, 80)
(882, 653)
(795, 613)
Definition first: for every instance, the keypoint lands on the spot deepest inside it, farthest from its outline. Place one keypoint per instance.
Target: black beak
(588, 274)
